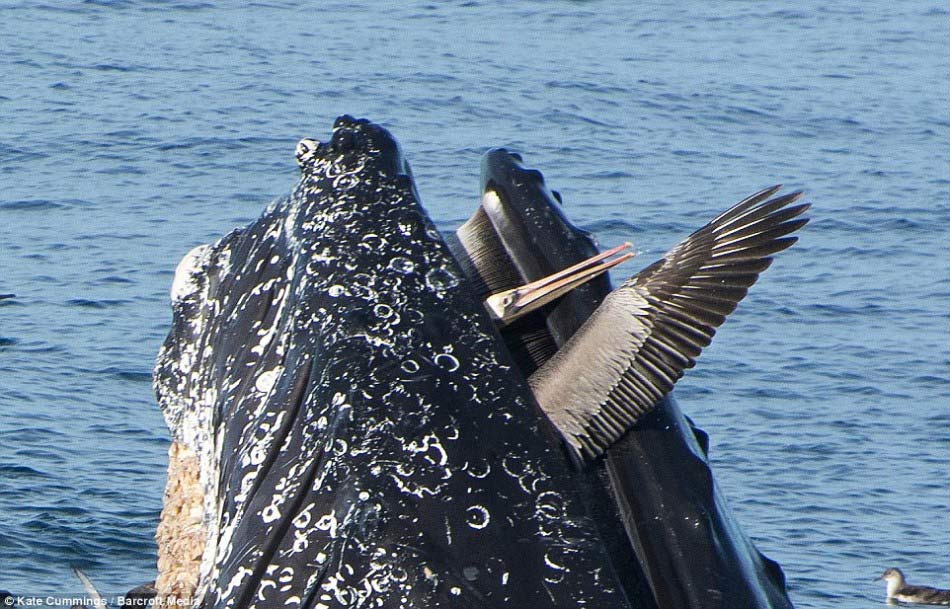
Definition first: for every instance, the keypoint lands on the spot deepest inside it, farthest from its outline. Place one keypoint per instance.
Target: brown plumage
(653, 327)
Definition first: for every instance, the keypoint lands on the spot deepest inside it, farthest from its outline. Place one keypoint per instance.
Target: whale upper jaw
(528, 219)
(222, 293)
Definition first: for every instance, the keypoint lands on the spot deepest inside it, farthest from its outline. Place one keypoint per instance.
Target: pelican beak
(507, 306)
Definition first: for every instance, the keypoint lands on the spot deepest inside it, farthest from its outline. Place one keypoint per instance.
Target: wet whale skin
(364, 439)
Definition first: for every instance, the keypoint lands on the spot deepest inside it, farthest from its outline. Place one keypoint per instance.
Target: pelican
(646, 333)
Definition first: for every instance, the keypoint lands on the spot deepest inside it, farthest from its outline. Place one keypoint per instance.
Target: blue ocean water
(132, 130)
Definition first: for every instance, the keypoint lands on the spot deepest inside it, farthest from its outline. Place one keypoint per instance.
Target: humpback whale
(365, 436)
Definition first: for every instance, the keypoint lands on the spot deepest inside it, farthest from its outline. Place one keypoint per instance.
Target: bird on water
(899, 590)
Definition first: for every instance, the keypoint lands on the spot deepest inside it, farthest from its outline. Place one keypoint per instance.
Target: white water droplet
(447, 362)
(477, 517)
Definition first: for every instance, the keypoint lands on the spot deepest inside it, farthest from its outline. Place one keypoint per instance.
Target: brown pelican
(637, 344)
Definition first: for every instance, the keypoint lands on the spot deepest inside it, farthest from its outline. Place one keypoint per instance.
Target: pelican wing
(646, 333)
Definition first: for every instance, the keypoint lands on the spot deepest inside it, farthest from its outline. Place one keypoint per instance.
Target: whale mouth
(504, 242)
(355, 421)
(358, 425)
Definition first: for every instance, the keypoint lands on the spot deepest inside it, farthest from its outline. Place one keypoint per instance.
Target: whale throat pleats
(637, 344)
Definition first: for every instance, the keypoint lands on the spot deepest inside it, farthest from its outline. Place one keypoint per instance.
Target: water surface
(131, 131)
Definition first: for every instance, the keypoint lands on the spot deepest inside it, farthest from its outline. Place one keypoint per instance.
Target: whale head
(363, 436)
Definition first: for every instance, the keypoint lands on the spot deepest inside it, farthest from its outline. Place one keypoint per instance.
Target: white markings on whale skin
(557, 574)
(440, 280)
(447, 361)
(478, 469)
(301, 541)
(383, 311)
(266, 583)
(285, 578)
(405, 481)
(430, 447)
(271, 513)
(265, 380)
(236, 580)
(189, 274)
(357, 293)
(477, 517)
(401, 264)
(328, 523)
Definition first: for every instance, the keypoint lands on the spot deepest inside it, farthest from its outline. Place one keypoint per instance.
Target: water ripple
(142, 129)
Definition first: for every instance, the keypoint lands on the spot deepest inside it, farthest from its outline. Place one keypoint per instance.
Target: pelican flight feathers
(646, 333)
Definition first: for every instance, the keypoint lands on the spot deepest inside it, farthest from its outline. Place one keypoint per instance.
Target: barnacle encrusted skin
(362, 436)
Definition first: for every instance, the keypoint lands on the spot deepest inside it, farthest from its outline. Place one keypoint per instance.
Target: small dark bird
(899, 590)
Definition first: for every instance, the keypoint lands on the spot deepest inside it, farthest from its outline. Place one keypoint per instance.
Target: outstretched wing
(647, 332)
